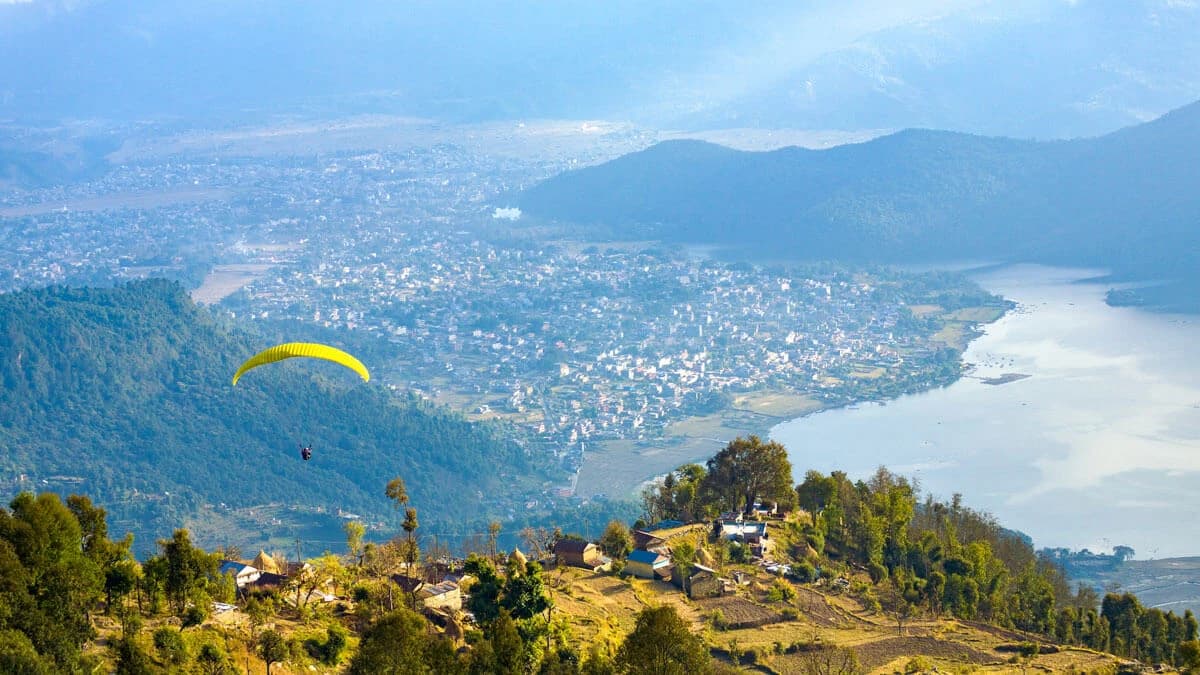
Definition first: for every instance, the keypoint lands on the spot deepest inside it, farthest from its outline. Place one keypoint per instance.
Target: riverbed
(1099, 445)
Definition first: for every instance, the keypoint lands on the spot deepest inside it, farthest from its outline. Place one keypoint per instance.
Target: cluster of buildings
(602, 343)
(576, 344)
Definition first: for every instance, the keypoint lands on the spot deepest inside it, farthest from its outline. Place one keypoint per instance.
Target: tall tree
(748, 470)
(272, 648)
(661, 644)
(493, 537)
(396, 492)
(393, 645)
(616, 541)
(188, 569)
(354, 542)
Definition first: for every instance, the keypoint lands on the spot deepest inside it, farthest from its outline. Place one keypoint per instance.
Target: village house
(650, 542)
(242, 573)
(578, 553)
(647, 564)
(699, 582)
(751, 533)
(445, 595)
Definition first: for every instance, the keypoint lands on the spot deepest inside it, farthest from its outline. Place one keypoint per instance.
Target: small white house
(243, 574)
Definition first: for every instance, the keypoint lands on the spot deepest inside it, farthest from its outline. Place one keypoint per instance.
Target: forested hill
(124, 393)
(1128, 200)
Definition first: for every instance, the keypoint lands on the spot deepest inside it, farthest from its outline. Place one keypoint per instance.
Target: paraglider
(310, 350)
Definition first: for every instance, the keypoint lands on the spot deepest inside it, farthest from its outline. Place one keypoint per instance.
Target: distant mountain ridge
(1129, 200)
(124, 393)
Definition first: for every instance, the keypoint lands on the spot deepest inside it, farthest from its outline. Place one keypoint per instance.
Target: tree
(616, 542)
(508, 649)
(830, 661)
(540, 541)
(119, 581)
(17, 655)
(188, 568)
(525, 592)
(46, 581)
(354, 542)
(170, 645)
(683, 556)
(211, 659)
(393, 645)
(132, 659)
(661, 644)
(411, 551)
(484, 600)
(493, 535)
(396, 492)
(815, 493)
(746, 471)
(272, 648)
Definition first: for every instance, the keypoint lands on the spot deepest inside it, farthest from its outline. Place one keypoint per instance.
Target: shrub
(193, 616)
(738, 553)
(717, 619)
(804, 572)
(817, 541)
(212, 658)
(330, 650)
(170, 645)
(918, 664)
(781, 591)
(878, 572)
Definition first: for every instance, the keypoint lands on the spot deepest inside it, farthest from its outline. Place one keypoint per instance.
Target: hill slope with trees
(125, 393)
(1128, 200)
(866, 576)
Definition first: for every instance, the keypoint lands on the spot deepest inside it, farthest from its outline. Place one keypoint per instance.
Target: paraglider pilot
(306, 452)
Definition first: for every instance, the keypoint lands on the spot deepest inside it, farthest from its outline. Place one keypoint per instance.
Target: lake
(1099, 446)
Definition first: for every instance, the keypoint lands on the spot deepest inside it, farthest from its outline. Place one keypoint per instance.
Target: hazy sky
(825, 64)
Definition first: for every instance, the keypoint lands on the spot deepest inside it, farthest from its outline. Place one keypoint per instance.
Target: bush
(817, 541)
(212, 658)
(738, 553)
(193, 616)
(878, 572)
(918, 664)
(170, 645)
(781, 591)
(804, 572)
(717, 619)
(330, 650)
(790, 613)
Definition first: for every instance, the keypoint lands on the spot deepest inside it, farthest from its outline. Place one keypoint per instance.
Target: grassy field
(791, 633)
(602, 608)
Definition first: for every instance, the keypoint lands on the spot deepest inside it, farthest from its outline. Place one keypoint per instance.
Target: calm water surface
(1099, 446)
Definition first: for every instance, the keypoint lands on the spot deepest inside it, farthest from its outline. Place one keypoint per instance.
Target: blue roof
(644, 556)
(231, 567)
(665, 525)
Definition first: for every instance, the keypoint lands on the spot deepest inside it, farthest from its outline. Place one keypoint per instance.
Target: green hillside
(124, 393)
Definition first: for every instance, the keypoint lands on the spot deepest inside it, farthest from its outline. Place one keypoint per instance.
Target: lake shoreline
(1099, 447)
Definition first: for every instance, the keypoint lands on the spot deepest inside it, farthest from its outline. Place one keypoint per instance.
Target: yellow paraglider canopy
(310, 350)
